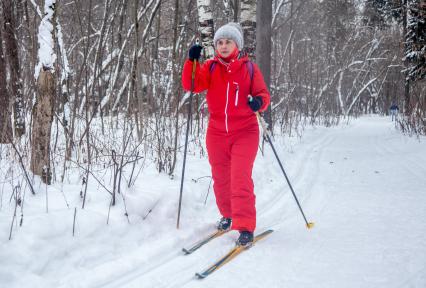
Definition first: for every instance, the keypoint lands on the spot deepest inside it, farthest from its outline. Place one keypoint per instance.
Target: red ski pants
(231, 157)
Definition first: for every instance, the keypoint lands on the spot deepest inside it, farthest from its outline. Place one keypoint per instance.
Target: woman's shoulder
(210, 61)
(210, 64)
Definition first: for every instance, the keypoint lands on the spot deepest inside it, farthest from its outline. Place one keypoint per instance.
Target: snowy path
(368, 202)
(364, 191)
(364, 186)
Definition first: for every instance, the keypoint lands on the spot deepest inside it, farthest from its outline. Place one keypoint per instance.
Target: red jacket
(228, 91)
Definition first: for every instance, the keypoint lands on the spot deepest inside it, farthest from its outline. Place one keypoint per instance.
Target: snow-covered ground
(363, 184)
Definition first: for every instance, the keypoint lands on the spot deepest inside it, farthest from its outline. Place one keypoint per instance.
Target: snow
(66, 70)
(46, 55)
(36, 8)
(363, 184)
(355, 63)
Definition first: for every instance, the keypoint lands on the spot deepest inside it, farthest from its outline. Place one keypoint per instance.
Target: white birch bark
(339, 94)
(248, 22)
(206, 27)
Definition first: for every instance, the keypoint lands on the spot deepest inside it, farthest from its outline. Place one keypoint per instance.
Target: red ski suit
(232, 134)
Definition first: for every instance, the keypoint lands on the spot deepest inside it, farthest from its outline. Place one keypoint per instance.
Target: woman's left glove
(255, 103)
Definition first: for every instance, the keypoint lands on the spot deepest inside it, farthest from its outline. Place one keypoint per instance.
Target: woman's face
(225, 47)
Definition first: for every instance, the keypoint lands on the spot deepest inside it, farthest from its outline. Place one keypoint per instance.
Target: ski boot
(245, 239)
(224, 224)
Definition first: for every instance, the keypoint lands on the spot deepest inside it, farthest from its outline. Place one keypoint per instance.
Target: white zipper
(226, 108)
(236, 96)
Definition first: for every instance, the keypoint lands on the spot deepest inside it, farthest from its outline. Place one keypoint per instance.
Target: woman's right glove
(195, 52)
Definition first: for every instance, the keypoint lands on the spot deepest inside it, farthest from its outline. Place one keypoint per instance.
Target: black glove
(195, 52)
(255, 103)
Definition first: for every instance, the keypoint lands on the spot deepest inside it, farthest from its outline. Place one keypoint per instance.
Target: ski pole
(194, 65)
(309, 225)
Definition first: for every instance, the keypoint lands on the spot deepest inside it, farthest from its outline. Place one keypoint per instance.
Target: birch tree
(206, 27)
(248, 23)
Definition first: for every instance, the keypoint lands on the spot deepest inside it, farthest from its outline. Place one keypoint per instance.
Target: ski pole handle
(260, 119)
(194, 64)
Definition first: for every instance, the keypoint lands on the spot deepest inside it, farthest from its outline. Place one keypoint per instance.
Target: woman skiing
(235, 90)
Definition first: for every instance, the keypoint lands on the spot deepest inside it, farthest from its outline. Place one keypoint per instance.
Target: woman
(233, 131)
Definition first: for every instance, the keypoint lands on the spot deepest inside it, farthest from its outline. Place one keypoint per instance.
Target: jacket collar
(235, 63)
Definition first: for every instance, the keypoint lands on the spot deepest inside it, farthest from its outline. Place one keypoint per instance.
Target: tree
(12, 53)
(5, 124)
(411, 14)
(264, 44)
(206, 27)
(44, 106)
(248, 23)
(416, 40)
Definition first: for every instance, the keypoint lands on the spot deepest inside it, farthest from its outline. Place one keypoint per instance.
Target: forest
(97, 131)
(95, 85)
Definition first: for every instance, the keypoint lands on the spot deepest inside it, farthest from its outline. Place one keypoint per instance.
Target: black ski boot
(224, 224)
(245, 239)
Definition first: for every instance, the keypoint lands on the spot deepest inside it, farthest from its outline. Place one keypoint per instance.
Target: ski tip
(200, 275)
(186, 251)
(266, 232)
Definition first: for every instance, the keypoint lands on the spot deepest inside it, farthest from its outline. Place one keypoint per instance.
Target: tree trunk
(236, 5)
(407, 104)
(45, 101)
(248, 22)
(43, 117)
(174, 55)
(264, 43)
(15, 72)
(133, 91)
(205, 26)
(5, 124)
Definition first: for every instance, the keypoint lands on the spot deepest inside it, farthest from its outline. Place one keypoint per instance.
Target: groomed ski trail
(346, 178)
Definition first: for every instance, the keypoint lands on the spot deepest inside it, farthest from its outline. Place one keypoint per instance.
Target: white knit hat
(232, 31)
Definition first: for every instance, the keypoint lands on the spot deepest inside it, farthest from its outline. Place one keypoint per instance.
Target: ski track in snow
(272, 206)
(305, 170)
(363, 184)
